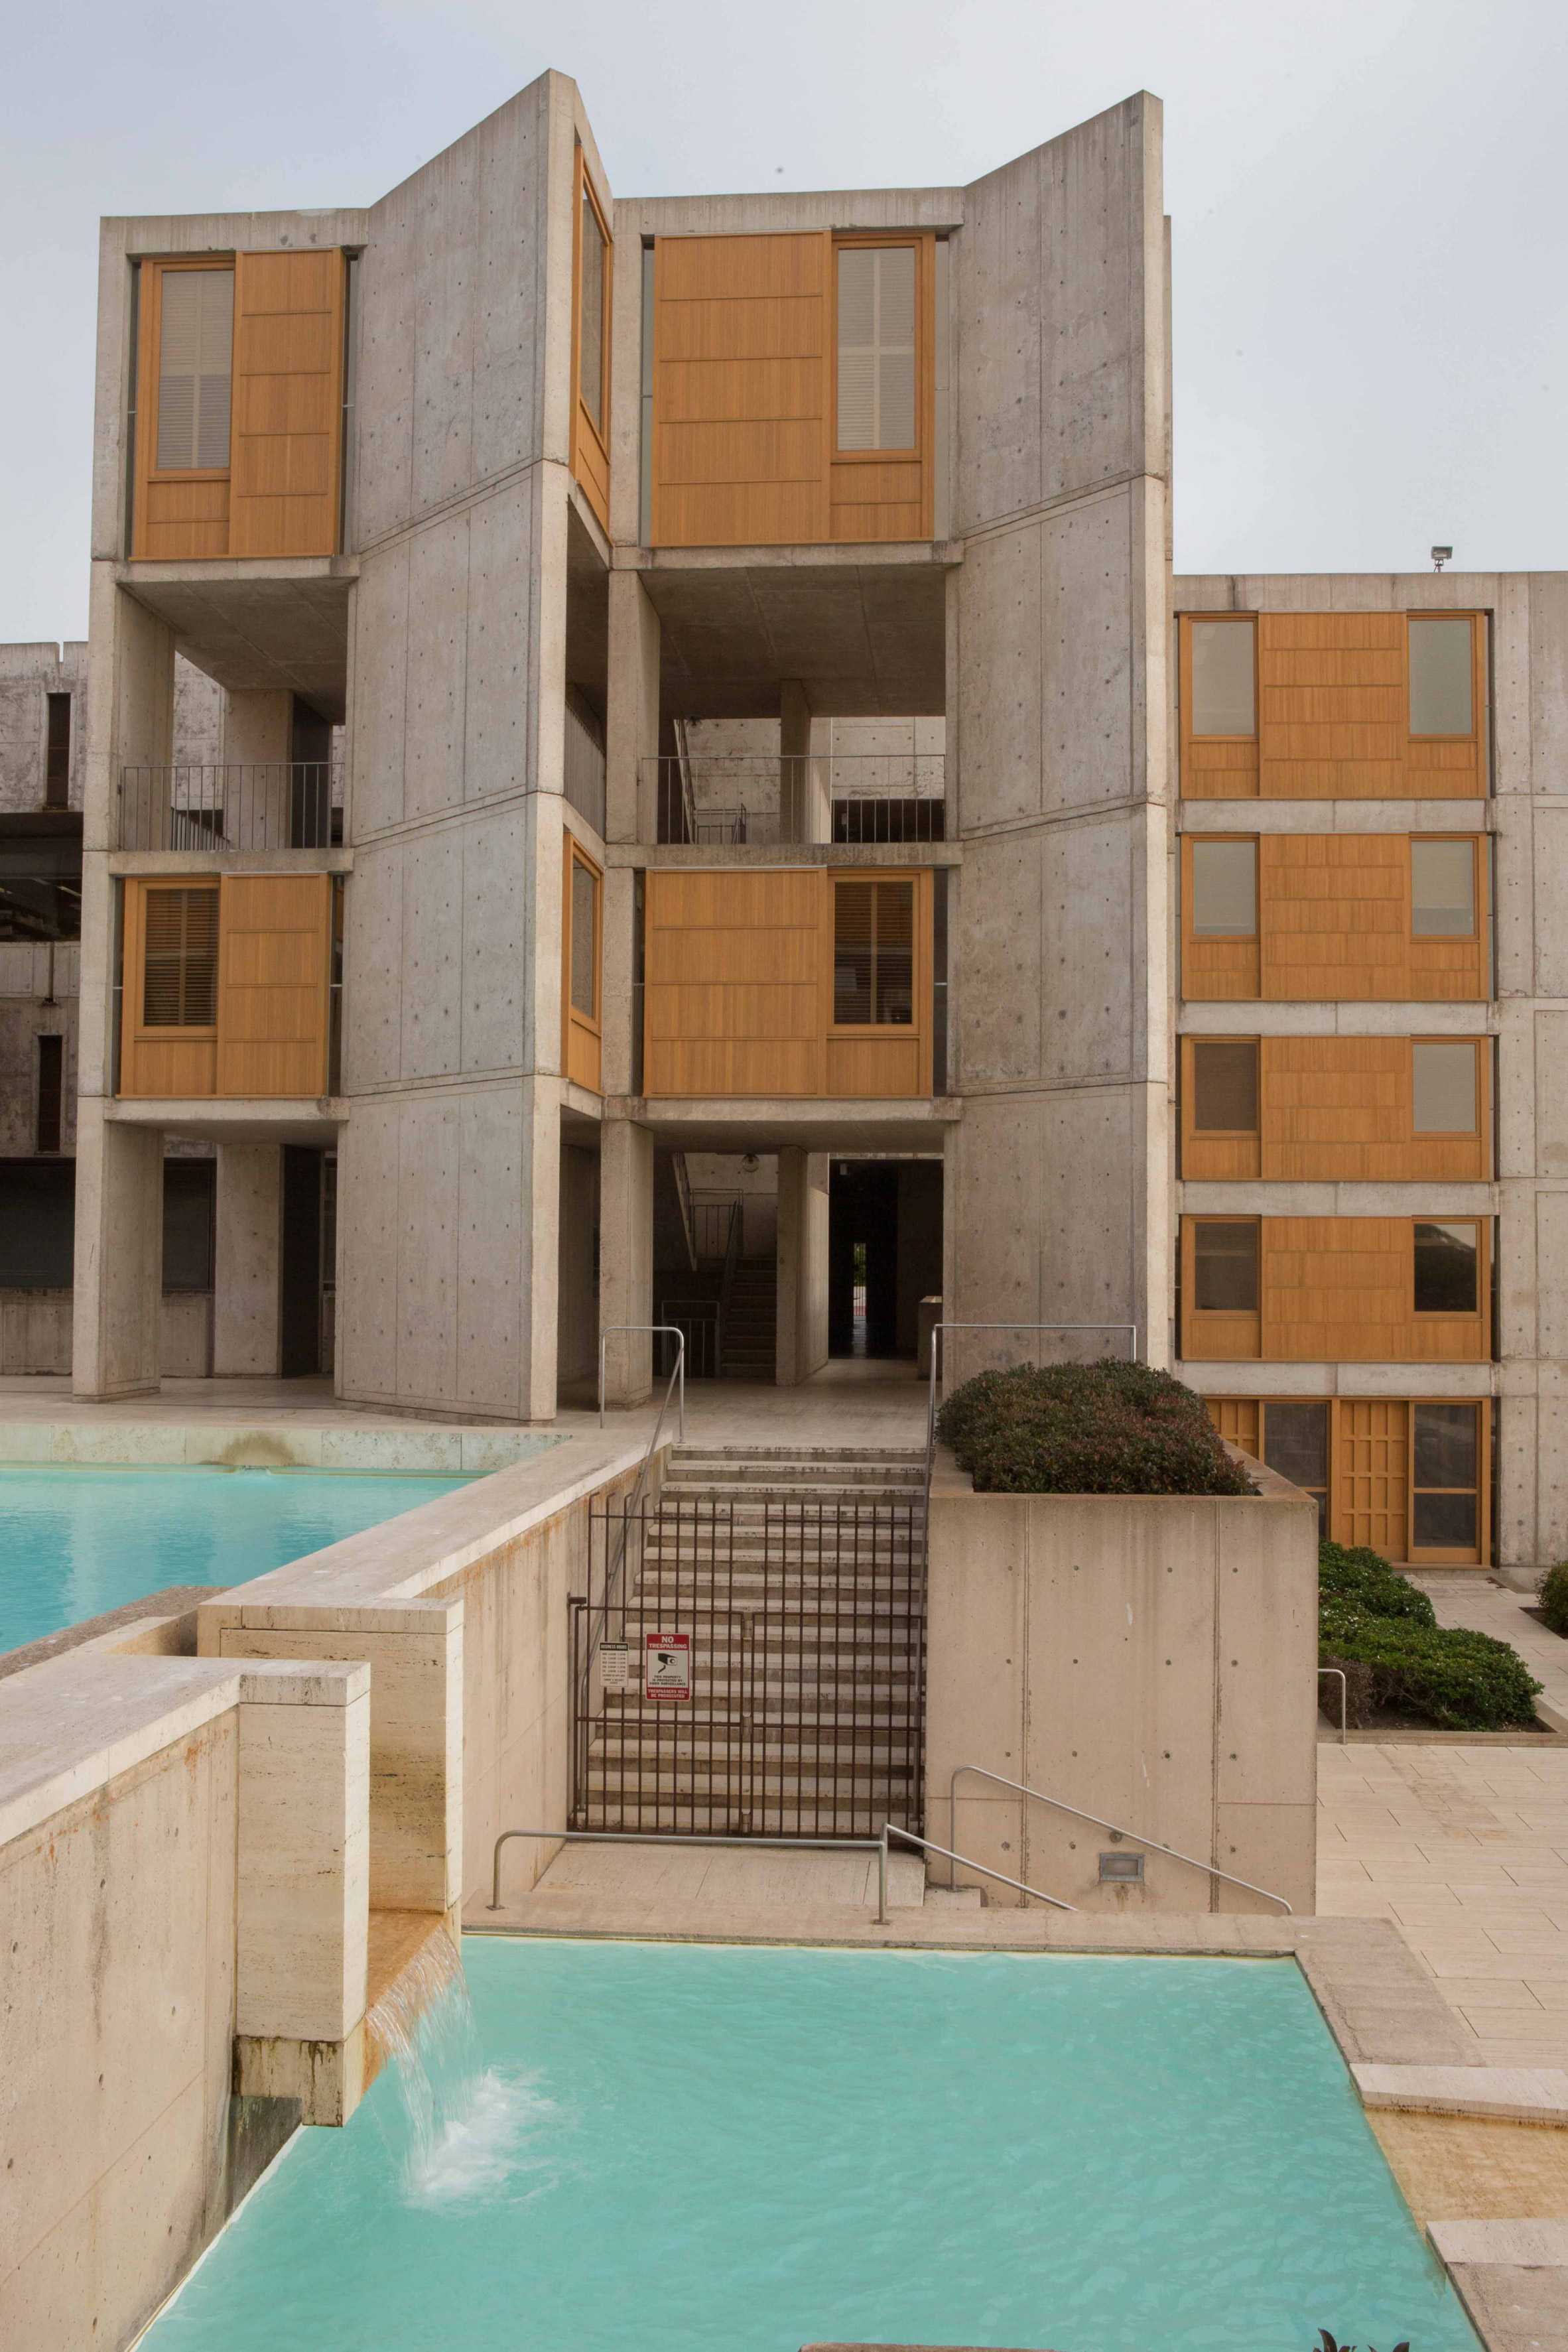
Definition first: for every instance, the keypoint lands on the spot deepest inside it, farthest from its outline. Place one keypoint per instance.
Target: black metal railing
(727, 799)
(789, 1639)
(249, 804)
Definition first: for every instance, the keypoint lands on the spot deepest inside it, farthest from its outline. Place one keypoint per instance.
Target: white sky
(1371, 330)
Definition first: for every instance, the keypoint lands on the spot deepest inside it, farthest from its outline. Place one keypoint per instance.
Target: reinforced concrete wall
(1150, 1658)
(1058, 1175)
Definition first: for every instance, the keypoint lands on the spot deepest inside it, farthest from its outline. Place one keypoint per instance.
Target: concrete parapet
(1107, 1649)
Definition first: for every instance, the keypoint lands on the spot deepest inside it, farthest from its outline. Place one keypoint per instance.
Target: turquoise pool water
(684, 2148)
(75, 1542)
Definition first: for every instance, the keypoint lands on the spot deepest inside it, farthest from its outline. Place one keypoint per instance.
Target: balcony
(265, 804)
(733, 799)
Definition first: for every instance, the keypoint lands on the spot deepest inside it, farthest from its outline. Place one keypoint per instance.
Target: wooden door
(273, 974)
(1331, 705)
(287, 403)
(1371, 1475)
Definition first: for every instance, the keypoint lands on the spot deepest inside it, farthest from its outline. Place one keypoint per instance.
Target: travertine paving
(1466, 1850)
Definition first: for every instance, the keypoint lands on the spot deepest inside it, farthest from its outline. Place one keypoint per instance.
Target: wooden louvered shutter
(195, 353)
(179, 985)
(287, 403)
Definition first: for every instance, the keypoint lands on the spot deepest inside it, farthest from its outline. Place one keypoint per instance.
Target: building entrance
(884, 1254)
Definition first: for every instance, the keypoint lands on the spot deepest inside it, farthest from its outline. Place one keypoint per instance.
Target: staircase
(799, 1578)
(750, 1322)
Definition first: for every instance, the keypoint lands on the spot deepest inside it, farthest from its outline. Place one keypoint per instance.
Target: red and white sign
(668, 1667)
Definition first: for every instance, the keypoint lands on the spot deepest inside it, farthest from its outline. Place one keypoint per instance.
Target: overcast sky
(1371, 334)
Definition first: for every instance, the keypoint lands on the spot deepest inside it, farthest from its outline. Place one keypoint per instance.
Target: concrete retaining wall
(1152, 1659)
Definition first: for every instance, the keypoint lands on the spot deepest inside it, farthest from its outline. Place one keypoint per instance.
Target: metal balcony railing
(260, 804)
(729, 798)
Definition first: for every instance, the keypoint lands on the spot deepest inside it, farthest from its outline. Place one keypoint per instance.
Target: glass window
(1223, 691)
(1225, 1087)
(188, 1197)
(1446, 1266)
(1446, 1451)
(179, 987)
(1443, 889)
(195, 361)
(585, 961)
(1296, 1444)
(591, 336)
(1225, 889)
(1225, 1267)
(873, 952)
(1441, 684)
(877, 347)
(1445, 1085)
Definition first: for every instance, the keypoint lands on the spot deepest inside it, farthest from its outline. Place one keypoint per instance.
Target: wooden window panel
(1437, 1495)
(159, 1057)
(1212, 1155)
(877, 495)
(274, 968)
(1331, 700)
(880, 1059)
(1452, 969)
(1341, 1289)
(1371, 1492)
(1216, 968)
(288, 404)
(581, 968)
(1215, 767)
(1236, 1420)
(1454, 767)
(743, 390)
(733, 985)
(1210, 1335)
(181, 514)
(590, 435)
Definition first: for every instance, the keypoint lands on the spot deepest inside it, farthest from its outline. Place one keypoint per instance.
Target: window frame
(1478, 676)
(1196, 841)
(1478, 1554)
(574, 1022)
(923, 245)
(583, 191)
(1236, 1332)
(1191, 732)
(1252, 1134)
(1481, 894)
(914, 1027)
(150, 334)
(1420, 1316)
(1478, 1131)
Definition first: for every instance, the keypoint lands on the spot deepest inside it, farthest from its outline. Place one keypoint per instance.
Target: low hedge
(1384, 1633)
(1110, 1428)
(1552, 1594)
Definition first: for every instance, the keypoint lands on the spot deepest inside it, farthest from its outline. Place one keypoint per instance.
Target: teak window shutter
(287, 403)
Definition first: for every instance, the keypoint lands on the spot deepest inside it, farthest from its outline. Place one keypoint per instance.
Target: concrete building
(695, 813)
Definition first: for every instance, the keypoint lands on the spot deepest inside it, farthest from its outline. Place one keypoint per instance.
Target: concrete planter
(1150, 1658)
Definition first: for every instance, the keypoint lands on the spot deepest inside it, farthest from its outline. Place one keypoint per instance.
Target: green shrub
(1386, 1635)
(1552, 1594)
(1108, 1428)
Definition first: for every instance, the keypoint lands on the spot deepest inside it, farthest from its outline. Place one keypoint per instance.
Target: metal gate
(800, 1628)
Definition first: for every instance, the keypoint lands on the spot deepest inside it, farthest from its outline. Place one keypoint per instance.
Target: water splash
(465, 2126)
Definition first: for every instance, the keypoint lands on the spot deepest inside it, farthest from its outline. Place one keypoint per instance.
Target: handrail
(727, 1277)
(613, 1569)
(1116, 1831)
(890, 1829)
(683, 1203)
(1344, 1700)
(878, 1846)
(609, 1331)
(936, 1332)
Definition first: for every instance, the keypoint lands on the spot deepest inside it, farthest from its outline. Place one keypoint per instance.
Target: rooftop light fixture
(1441, 555)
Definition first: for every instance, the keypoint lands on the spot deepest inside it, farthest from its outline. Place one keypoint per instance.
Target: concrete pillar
(247, 1260)
(258, 735)
(803, 794)
(632, 710)
(118, 1309)
(626, 1257)
(801, 1260)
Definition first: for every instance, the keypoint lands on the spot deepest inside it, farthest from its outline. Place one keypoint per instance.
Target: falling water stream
(466, 2125)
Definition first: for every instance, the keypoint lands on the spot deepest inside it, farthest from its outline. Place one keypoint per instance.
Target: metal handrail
(609, 1331)
(937, 1330)
(878, 1846)
(1114, 1827)
(613, 1569)
(1344, 1701)
(890, 1830)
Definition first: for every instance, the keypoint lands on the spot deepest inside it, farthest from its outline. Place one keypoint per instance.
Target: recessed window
(1442, 689)
(1296, 1444)
(1225, 1267)
(195, 365)
(1446, 1483)
(189, 1189)
(1224, 696)
(180, 978)
(1225, 889)
(873, 953)
(1444, 1076)
(1443, 889)
(585, 926)
(591, 338)
(51, 1092)
(1446, 1269)
(877, 347)
(1224, 1087)
(58, 753)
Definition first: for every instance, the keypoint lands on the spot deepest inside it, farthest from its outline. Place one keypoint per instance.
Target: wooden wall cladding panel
(182, 522)
(274, 951)
(288, 403)
(874, 1068)
(1334, 1290)
(582, 1031)
(743, 359)
(1332, 705)
(590, 449)
(1337, 1110)
(733, 988)
(1333, 915)
(1236, 1418)
(1214, 767)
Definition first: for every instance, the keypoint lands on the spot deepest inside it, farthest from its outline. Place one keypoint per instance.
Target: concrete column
(247, 1260)
(118, 1309)
(802, 1325)
(632, 710)
(625, 1257)
(801, 811)
(258, 734)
